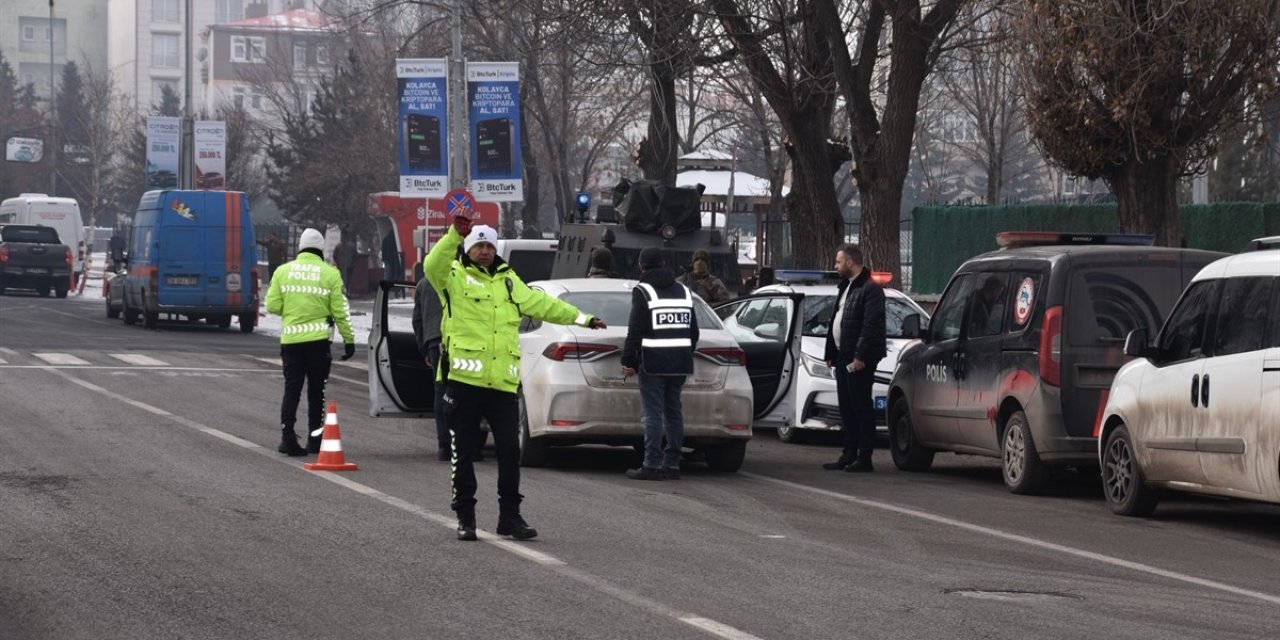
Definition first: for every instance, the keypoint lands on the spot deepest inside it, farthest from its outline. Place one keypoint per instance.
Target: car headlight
(817, 368)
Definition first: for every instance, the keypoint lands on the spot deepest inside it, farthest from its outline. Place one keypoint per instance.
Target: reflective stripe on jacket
(305, 293)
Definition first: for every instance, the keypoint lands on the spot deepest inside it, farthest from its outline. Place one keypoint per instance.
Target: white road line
(8, 352)
(60, 358)
(706, 625)
(352, 364)
(131, 370)
(332, 376)
(138, 359)
(2, 361)
(1026, 540)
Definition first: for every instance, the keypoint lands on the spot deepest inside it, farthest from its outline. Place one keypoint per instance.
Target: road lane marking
(2, 361)
(332, 376)
(64, 359)
(706, 625)
(1026, 540)
(138, 359)
(8, 352)
(352, 364)
(131, 370)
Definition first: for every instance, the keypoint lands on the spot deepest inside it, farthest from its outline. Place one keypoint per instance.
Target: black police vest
(668, 349)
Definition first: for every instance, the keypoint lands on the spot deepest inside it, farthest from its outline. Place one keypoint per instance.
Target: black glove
(348, 351)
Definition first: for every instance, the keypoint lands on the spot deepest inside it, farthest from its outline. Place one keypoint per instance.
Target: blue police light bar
(584, 199)
(1010, 239)
(793, 276)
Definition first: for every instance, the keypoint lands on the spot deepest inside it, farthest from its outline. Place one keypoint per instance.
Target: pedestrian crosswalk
(60, 359)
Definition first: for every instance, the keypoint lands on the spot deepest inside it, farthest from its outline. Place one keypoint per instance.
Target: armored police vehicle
(646, 214)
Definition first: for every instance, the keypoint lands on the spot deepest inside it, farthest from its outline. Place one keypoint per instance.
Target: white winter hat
(480, 233)
(311, 239)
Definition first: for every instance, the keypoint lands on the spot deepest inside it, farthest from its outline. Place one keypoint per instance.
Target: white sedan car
(572, 387)
(811, 397)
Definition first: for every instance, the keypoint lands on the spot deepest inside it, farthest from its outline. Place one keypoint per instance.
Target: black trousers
(307, 362)
(857, 409)
(465, 405)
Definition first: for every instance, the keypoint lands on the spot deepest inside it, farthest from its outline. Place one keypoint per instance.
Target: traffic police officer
(305, 294)
(484, 302)
(661, 336)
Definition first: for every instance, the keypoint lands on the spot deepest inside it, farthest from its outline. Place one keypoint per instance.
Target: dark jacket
(667, 361)
(427, 313)
(862, 330)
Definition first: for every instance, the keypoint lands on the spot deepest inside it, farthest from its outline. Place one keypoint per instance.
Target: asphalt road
(141, 497)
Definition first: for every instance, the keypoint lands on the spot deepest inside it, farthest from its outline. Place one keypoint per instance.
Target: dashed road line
(1021, 539)
(64, 359)
(598, 583)
(332, 376)
(138, 359)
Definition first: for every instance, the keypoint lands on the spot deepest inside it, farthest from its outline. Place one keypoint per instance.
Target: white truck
(63, 214)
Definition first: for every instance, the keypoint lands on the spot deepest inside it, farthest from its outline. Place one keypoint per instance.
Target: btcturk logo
(183, 210)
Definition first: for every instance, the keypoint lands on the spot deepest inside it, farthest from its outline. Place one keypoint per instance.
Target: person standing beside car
(662, 333)
(485, 300)
(306, 295)
(855, 345)
(704, 283)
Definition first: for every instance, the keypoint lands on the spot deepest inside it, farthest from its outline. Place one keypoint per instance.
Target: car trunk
(605, 371)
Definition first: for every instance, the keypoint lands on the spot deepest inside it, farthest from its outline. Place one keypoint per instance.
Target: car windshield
(531, 265)
(817, 312)
(614, 307)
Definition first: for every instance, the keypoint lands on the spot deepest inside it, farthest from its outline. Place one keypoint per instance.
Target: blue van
(192, 253)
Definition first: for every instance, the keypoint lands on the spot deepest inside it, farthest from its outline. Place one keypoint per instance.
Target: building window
(959, 129)
(164, 10)
(248, 49)
(299, 55)
(28, 33)
(322, 54)
(164, 51)
(48, 34)
(246, 98)
(230, 11)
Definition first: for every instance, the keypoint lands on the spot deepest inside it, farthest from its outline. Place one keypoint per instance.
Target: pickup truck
(32, 257)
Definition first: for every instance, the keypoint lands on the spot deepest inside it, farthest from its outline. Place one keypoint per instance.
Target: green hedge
(944, 237)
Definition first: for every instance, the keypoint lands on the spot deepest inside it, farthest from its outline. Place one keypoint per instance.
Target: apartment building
(77, 31)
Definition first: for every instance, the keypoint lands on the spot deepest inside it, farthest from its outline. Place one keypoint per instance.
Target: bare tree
(1137, 93)
(103, 129)
(882, 129)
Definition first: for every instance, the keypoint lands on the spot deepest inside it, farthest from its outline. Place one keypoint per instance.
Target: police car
(809, 395)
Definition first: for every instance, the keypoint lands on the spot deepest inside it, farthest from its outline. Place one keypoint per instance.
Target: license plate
(881, 403)
(181, 281)
(37, 271)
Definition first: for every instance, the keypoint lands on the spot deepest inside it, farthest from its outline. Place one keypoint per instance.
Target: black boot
(313, 443)
(515, 526)
(645, 473)
(861, 465)
(467, 526)
(289, 442)
(845, 459)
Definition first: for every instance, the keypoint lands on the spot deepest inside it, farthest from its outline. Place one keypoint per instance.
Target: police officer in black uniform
(661, 336)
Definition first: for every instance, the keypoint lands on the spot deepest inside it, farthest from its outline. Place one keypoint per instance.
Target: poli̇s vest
(668, 349)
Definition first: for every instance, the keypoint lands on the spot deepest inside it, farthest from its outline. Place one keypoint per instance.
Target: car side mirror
(1136, 345)
(911, 326)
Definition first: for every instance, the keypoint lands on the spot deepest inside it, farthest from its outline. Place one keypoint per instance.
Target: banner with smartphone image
(423, 133)
(493, 106)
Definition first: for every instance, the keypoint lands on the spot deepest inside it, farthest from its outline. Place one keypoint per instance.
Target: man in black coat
(855, 345)
(661, 336)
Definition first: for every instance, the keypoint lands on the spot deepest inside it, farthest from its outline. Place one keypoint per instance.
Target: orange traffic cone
(331, 458)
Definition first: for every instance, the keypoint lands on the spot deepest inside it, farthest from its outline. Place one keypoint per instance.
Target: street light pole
(186, 150)
(458, 166)
(53, 115)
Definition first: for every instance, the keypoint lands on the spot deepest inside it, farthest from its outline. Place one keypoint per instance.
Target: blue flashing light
(584, 199)
(1009, 239)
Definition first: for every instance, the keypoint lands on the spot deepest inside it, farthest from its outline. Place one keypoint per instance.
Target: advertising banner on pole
(18, 149)
(211, 155)
(422, 137)
(493, 104)
(163, 137)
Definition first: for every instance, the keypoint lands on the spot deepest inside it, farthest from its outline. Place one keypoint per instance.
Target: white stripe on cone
(331, 445)
(331, 418)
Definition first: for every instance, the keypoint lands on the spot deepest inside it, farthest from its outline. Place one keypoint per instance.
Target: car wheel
(1126, 490)
(61, 290)
(44, 291)
(2, 290)
(1024, 472)
(130, 315)
(908, 453)
(150, 319)
(247, 323)
(534, 452)
(728, 457)
(112, 312)
(791, 435)
(223, 321)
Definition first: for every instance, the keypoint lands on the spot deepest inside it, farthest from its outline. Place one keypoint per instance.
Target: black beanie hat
(651, 258)
(601, 258)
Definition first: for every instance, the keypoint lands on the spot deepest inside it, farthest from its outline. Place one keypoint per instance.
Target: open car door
(401, 385)
(766, 327)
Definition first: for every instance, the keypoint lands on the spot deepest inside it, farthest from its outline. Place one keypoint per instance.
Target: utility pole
(53, 115)
(186, 162)
(458, 166)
